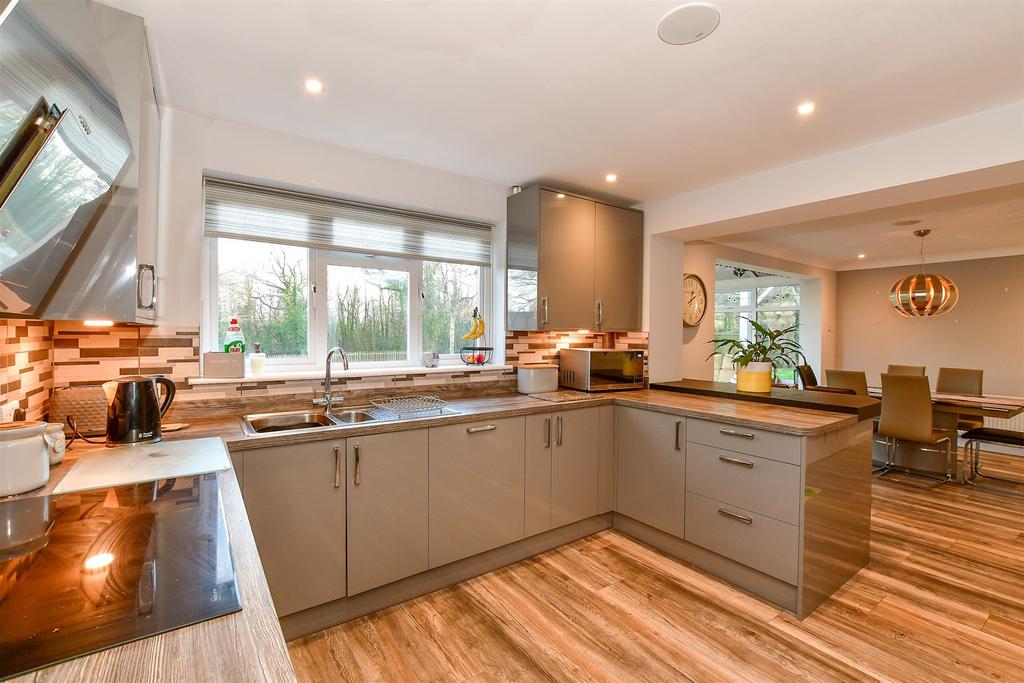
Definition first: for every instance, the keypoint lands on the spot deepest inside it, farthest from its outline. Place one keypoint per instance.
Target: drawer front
(765, 486)
(761, 442)
(760, 542)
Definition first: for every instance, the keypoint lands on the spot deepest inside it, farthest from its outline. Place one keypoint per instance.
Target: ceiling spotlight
(314, 86)
(560, 195)
(689, 23)
(805, 108)
(862, 255)
(611, 178)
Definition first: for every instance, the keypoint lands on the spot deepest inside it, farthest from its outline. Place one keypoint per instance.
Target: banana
(472, 330)
(480, 329)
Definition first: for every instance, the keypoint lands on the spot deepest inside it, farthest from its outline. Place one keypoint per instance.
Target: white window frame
(318, 262)
(751, 310)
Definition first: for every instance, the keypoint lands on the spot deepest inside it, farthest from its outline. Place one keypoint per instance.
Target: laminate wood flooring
(941, 600)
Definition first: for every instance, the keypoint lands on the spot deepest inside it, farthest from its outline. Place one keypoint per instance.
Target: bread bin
(24, 457)
(536, 378)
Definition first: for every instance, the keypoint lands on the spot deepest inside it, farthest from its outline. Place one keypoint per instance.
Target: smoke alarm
(689, 23)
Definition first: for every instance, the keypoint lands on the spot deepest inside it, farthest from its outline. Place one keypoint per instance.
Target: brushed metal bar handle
(598, 313)
(544, 308)
(475, 430)
(736, 461)
(547, 432)
(733, 432)
(558, 432)
(733, 515)
(337, 468)
(679, 424)
(357, 477)
(139, 270)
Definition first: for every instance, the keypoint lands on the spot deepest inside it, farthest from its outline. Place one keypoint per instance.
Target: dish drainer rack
(411, 406)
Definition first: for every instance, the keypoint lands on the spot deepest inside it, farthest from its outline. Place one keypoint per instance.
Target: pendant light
(923, 295)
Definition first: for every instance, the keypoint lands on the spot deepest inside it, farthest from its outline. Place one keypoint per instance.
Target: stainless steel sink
(269, 423)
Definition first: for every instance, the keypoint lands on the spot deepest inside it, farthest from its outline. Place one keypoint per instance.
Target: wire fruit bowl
(477, 355)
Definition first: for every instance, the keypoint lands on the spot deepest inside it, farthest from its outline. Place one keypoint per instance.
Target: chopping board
(134, 464)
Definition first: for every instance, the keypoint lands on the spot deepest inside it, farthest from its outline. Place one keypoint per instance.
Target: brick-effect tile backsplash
(26, 365)
(541, 347)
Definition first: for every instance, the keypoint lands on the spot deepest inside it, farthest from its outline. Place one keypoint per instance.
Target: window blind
(252, 212)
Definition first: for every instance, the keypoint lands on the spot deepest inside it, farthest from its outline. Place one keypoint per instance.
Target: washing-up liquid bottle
(234, 340)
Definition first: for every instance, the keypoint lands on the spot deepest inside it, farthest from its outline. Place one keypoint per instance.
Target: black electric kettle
(134, 409)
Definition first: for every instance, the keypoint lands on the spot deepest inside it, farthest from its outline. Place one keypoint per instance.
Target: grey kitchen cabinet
(295, 498)
(476, 488)
(574, 465)
(562, 468)
(386, 481)
(573, 262)
(651, 456)
(618, 267)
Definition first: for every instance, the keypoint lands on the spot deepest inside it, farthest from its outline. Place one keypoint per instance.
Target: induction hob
(85, 571)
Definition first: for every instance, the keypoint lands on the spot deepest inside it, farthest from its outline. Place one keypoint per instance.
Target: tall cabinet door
(651, 483)
(619, 257)
(565, 257)
(387, 508)
(295, 498)
(477, 488)
(574, 466)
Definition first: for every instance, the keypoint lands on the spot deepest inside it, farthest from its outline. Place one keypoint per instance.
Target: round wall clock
(695, 300)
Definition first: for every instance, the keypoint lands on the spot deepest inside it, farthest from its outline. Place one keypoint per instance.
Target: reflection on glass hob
(85, 571)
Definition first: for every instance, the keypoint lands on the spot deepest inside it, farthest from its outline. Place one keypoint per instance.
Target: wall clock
(695, 300)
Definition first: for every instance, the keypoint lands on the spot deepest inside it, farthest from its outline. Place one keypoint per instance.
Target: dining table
(947, 409)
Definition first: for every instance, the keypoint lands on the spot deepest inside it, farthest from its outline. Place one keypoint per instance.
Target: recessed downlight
(862, 255)
(560, 195)
(805, 108)
(611, 178)
(314, 85)
(689, 23)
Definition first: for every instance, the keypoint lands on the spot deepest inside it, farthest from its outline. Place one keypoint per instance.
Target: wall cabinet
(651, 481)
(573, 262)
(476, 488)
(295, 498)
(386, 481)
(563, 477)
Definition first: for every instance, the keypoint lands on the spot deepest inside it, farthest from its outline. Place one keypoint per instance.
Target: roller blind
(252, 212)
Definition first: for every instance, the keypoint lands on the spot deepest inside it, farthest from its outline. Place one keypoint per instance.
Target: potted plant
(756, 359)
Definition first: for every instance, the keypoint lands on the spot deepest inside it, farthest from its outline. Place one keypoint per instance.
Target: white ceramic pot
(536, 378)
(24, 457)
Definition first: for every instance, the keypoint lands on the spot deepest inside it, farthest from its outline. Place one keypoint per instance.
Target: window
(773, 302)
(298, 298)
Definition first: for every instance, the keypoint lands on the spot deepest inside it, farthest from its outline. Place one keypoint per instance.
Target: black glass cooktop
(85, 571)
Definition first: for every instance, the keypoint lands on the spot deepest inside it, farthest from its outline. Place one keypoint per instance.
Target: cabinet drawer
(760, 542)
(771, 445)
(765, 486)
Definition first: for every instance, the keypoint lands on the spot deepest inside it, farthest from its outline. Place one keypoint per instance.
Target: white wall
(193, 145)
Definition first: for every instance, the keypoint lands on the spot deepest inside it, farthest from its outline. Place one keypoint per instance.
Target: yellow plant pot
(755, 377)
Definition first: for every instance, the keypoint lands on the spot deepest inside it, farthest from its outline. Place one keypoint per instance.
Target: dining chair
(848, 379)
(974, 438)
(915, 370)
(810, 381)
(907, 418)
(966, 381)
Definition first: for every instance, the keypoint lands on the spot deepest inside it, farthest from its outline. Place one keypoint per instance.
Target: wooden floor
(942, 600)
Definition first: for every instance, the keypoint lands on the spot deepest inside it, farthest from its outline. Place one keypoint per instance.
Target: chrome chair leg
(890, 466)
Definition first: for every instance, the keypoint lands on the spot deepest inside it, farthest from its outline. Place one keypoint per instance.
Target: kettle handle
(169, 387)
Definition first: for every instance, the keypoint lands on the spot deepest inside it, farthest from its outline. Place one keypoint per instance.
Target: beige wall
(817, 312)
(985, 330)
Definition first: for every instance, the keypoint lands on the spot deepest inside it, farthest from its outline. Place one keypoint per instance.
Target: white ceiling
(567, 91)
(973, 225)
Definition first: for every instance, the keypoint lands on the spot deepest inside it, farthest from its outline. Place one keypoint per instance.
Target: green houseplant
(756, 358)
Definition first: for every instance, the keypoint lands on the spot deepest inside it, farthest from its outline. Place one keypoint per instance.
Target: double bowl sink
(269, 423)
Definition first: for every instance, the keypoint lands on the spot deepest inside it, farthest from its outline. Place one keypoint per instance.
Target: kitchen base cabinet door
(295, 499)
(387, 508)
(651, 482)
(574, 466)
(477, 488)
(538, 473)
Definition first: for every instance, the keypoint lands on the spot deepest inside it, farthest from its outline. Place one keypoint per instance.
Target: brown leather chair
(964, 381)
(848, 379)
(915, 370)
(907, 418)
(810, 381)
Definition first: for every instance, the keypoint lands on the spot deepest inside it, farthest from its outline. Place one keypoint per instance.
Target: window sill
(355, 372)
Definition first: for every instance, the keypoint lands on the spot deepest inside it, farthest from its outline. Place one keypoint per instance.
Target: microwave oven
(601, 369)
